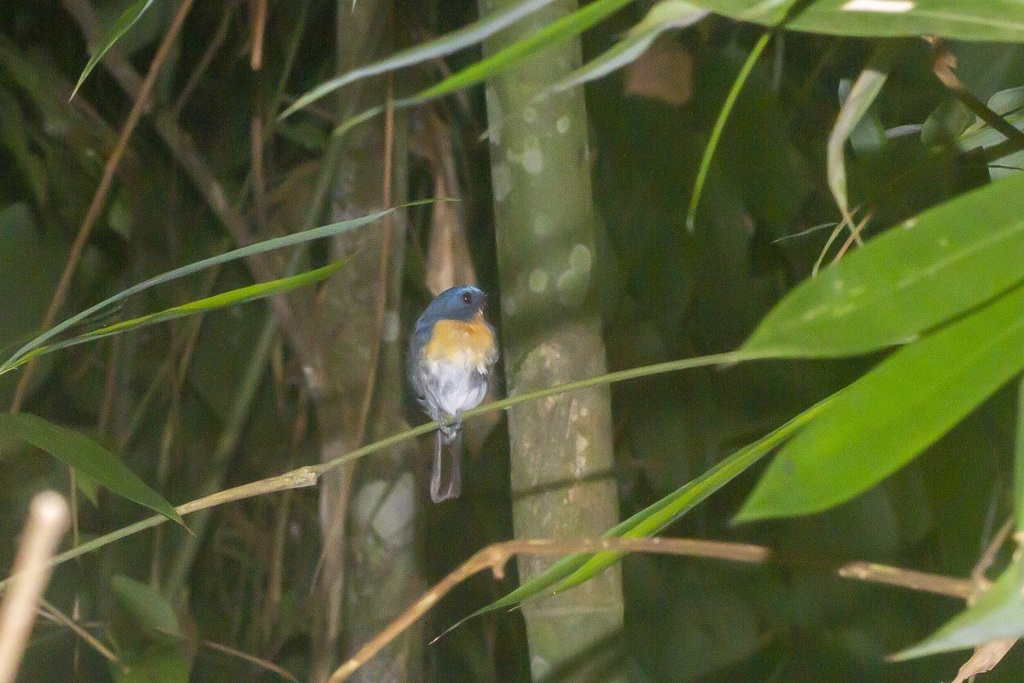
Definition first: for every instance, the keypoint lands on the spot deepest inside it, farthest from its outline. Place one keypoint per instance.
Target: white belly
(452, 387)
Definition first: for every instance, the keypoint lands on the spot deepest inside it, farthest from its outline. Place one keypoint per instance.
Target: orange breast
(466, 343)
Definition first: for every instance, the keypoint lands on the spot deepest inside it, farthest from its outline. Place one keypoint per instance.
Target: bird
(451, 354)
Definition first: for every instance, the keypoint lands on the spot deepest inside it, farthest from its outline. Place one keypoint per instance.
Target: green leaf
(991, 20)
(124, 22)
(230, 298)
(998, 613)
(146, 605)
(445, 45)
(556, 32)
(1018, 461)
(929, 269)
(84, 454)
(862, 95)
(233, 255)
(664, 16)
(576, 569)
(890, 415)
(158, 664)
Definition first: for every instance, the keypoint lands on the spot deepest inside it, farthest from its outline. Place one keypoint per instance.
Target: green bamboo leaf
(998, 613)
(439, 47)
(233, 255)
(1018, 462)
(928, 270)
(575, 569)
(85, 455)
(992, 20)
(890, 415)
(664, 16)
(556, 32)
(124, 22)
(230, 298)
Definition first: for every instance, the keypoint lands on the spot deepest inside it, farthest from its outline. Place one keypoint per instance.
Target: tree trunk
(551, 332)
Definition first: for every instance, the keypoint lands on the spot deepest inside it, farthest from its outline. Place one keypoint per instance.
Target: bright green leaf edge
(124, 22)
(890, 415)
(907, 280)
(230, 298)
(84, 454)
(998, 613)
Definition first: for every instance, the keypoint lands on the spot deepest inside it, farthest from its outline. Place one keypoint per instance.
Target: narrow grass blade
(234, 255)
(124, 22)
(230, 298)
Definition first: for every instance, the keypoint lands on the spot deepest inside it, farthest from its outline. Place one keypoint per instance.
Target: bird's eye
(467, 298)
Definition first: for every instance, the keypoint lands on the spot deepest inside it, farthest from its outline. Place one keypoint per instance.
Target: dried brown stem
(494, 557)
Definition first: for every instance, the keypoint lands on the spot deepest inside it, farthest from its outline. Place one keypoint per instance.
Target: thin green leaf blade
(890, 415)
(905, 281)
(124, 22)
(445, 45)
(659, 516)
(84, 454)
(232, 297)
(557, 31)
(576, 569)
(233, 255)
(998, 613)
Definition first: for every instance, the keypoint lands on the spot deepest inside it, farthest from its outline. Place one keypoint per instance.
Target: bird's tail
(446, 477)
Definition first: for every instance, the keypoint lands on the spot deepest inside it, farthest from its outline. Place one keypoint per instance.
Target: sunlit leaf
(124, 22)
(998, 613)
(924, 272)
(890, 415)
(85, 455)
